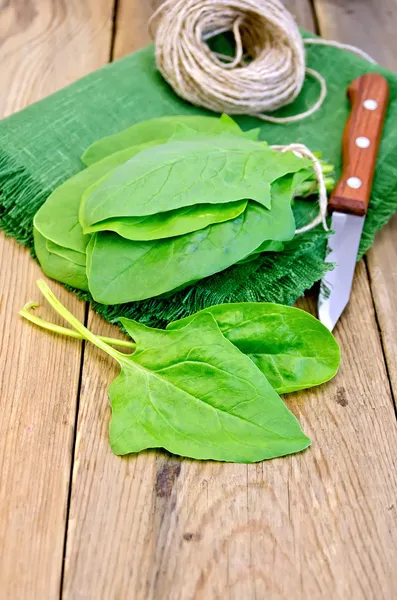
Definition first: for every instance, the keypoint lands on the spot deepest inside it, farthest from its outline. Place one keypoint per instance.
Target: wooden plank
(48, 44)
(154, 526)
(376, 35)
(45, 45)
(39, 384)
(302, 11)
(382, 267)
(132, 30)
(370, 25)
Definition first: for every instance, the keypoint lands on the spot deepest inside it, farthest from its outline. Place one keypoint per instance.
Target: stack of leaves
(207, 387)
(165, 203)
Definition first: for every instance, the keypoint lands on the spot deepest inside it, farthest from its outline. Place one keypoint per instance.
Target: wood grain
(132, 32)
(382, 268)
(46, 44)
(43, 45)
(370, 25)
(318, 524)
(302, 12)
(379, 21)
(39, 384)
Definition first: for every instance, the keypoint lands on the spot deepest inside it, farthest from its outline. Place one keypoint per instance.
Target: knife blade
(349, 201)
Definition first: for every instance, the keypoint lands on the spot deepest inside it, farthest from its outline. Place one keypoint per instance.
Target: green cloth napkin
(41, 146)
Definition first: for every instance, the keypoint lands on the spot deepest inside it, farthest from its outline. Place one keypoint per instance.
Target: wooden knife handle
(369, 96)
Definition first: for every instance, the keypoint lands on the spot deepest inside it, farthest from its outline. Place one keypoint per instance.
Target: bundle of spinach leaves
(207, 386)
(165, 203)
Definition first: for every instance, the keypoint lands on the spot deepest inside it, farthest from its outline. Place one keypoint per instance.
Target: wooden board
(45, 44)
(370, 25)
(382, 268)
(132, 31)
(323, 522)
(302, 12)
(154, 526)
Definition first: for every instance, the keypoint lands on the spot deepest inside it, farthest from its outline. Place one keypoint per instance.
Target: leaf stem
(326, 168)
(76, 324)
(309, 187)
(29, 316)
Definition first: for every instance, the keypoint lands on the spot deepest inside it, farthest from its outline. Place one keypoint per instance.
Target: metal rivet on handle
(363, 142)
(354, 183)
(370, 104)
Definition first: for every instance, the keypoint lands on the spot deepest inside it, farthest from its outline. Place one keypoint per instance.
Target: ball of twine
(266, 73)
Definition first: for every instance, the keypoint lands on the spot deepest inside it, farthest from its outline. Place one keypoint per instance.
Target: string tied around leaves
(266, 73)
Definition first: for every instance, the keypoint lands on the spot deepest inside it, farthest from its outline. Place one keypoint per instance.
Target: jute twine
(267, 72)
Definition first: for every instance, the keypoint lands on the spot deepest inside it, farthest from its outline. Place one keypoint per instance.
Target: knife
(349, 201)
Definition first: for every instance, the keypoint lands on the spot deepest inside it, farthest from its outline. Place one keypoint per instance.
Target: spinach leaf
(192, 392)
(121, 270)
(269, 246)
(252, 134)
(77, 257)
(196, 395)
(266, 246)
(58, 218)
(161, 129)
(293, 349)
(183, 173)
(58, 267)
(171, 223)
(282, 192)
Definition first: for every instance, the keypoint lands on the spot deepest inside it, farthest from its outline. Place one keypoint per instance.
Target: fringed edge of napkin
(18, 189)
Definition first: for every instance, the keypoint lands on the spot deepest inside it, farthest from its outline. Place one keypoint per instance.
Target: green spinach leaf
(266, 246)
(171, 223)
(58, 267)
(269, 246)
(293, 349)
(183, 173)
(196, 395)
(252, 134)
(121, 270)
(161, 130)
(282, 193)
(77, 257)
(192, 392)
(58, 218)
